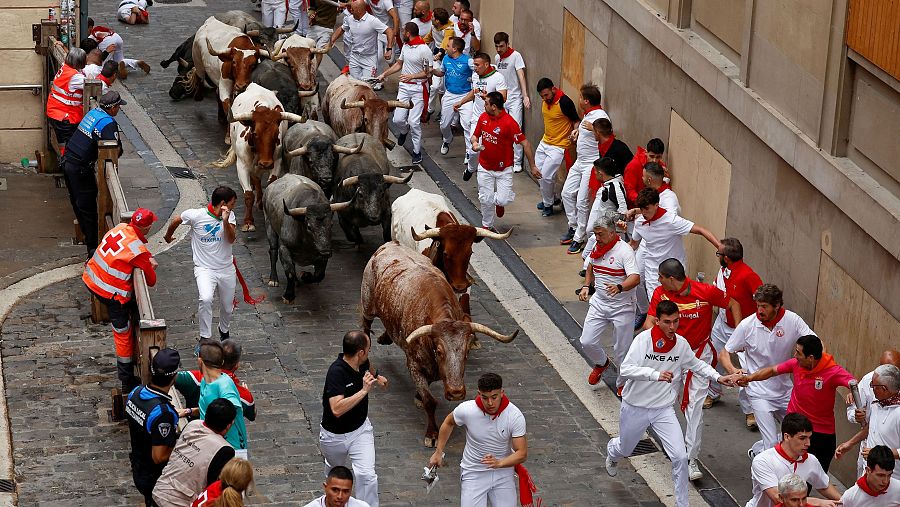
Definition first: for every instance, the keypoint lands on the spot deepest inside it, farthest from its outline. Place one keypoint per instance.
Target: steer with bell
(421, 314)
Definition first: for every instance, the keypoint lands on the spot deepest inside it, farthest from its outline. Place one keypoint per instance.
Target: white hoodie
(643, 364)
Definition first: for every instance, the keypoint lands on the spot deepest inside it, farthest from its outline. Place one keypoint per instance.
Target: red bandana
(212, 212)
(660, 342)
(426, 18)
(462, 29)
(592, 108)
(504, 402)
(557, 94)
(509, 51)
(660, 211)
(771, 323)
(662, 188)
(490, 71)
(864, 485)
(415, 41)
(599, 251)
(604, 146)
(790, 460)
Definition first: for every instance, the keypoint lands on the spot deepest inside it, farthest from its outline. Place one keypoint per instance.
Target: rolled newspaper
(854, 390)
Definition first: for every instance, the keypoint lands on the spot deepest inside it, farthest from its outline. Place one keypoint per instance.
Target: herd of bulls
(417, 284)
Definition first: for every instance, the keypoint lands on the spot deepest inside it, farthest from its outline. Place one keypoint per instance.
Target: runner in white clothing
(658, 357)
(610, 198)
(495, 445)
(575, 192)
(414, 66)
(511, 65)
(859, 414)
(134, 12)
(466, 27)
(614, 275)
(790, 456)
(876, 487)
(364, 30)
(485, 80)
(338, 485)
(212, 235)
(386, 12)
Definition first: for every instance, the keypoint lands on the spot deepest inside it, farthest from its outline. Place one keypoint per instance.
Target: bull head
(301, 212)
(436, 234)
(388, 179)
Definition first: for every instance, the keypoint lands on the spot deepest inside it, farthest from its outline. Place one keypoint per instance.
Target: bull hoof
(228, 141)
(287, 301)
(475, 344)
(418, 402)
(306, 277)
(430, 442)
(384, 339)
(248, 228)
(273, 283)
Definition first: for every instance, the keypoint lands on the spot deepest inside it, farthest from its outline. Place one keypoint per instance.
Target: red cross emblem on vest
(112, 245)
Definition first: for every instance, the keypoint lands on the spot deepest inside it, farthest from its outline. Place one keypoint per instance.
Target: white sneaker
(517, 168)
(612, 468)
(466, 160)
(694, 472)
(445, 148)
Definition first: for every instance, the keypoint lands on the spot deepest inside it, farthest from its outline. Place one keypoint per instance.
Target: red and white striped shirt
(612, 268)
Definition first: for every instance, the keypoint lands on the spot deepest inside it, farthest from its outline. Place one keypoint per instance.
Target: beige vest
(184, 476)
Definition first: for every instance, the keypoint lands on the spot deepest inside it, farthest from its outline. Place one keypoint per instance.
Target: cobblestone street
(59, 368)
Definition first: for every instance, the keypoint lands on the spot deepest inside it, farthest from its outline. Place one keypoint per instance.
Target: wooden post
(151, 332)
(93, 89)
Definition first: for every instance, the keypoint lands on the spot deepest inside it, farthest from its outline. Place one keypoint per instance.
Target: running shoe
(445, 148)
(612, 468)
(597, 372)
(575, 248)
(694, 472)
(500, 211)
(566, 238)
(417, 158)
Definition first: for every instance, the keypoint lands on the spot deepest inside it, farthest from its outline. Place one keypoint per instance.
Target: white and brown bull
(258, 125)
(301, 55)
(263, 36)
(422, 316)
(350, 105)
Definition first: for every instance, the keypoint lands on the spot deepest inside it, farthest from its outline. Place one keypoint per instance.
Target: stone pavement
(59, 367)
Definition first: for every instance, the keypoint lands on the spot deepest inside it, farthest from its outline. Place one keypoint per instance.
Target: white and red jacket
(64, 101)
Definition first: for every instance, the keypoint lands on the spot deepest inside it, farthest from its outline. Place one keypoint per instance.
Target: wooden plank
(151, 332)
(872, 32)
(573, 54)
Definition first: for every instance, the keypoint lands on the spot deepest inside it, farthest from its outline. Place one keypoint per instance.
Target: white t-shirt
(352, 502)
(364, 34)
(492, 82)
(856, 497)
(415, 59)
(487, 434)
(125, 6)
(380, 11)
(642, 366)
(211, 249)
(586, 146)
(467, 38)
(884, 429)
(669, 201)
(509, 67)
(769, 467)
(612, 268)
(92, 70)
(764, 347)
(662, 238)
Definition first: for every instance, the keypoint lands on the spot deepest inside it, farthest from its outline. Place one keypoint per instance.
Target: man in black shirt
(346, 431)
(152, 423)
(611, 147)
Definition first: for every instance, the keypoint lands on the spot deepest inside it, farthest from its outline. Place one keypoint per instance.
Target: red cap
(143, 217)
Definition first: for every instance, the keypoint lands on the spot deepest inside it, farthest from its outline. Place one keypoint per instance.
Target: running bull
(350, 105)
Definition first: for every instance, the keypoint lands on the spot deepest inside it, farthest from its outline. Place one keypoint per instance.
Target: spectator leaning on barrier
(200, 454)
(217, 385)
(152, 423)
(337, 486)
(109, 276)
(188, 382)
(64, 109)
(228, 491)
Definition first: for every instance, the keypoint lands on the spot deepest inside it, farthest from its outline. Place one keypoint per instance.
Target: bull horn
(240, 117)
(394, 179)
(484, 233)
(400, 103)
(481, 328)
(427, 234)
(320, 51)
(294, 212)
(347, 151)
(350, 105)
(213, 51)
(349, 182)
(251, 33)
(388, 144)
(265, 52)
(184, 63)
(422, 331)
(291, 117)
(341, 206)
(287, 29)
(298, 152)
(276, 54)
(306, 93)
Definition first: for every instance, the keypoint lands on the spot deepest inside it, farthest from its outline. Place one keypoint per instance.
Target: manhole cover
(181, 172)
(7, 486)
(645, 446)
(173, 1)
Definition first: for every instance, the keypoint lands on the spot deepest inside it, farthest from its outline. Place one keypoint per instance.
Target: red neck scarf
(605, 145)
(526, 485)
(662, 188)
(212, 212)
(864, 485)
(771, 323)
(599, 251)
(490, 71)
(792, 461)
(660, 342)
(463, 29)
(592, 108)
(660, 211)
(557, 94)
(509, 51)
(415, 41)
(826, 362)
(426, 18)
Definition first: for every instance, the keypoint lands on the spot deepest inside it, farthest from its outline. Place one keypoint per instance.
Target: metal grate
(7, 486)
(182, 172)
(645, 446)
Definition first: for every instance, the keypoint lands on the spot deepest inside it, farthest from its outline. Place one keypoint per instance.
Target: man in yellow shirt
(560, 118)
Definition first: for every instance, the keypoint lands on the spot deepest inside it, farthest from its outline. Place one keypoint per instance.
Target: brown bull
(350, 106)
(422, 316)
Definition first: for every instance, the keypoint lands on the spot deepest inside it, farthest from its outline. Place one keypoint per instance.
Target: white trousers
(515, 109)
(721, 332)
(273, 13)
(298, 10)
(633, 421)
(495, 188)
(359, 447)
(693, 414)
(363, 67)
(768, 413)
(115, 39)
(575, 197)
(410, 120)
(210, 281)
(598, 318)
(437, 89)
(449, 115)
(498, 486)
(548, 159)
(320, 34)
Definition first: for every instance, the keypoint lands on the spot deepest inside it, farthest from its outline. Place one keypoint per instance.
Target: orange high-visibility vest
(64, 103)
(108, 273)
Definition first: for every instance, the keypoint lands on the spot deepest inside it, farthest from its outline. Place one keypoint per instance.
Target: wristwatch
(619, 286)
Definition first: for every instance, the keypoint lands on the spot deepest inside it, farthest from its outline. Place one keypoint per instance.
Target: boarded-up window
(872, 32)
(573, 55)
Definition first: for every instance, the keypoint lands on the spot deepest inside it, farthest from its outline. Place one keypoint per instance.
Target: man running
(364, 30)
(456, 68)
(485, 81)
(560, 119)
(511, 65)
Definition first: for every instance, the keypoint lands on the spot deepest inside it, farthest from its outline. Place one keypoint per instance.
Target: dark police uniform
(151, 421)
(78, 166)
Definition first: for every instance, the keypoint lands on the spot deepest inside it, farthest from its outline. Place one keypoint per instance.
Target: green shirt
(223, 387)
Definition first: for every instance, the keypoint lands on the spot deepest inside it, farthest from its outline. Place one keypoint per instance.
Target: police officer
(152, 422)
(108, 275)
(79, 159)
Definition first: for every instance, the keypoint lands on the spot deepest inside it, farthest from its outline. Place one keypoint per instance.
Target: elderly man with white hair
(792, 491)
(883, 418)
